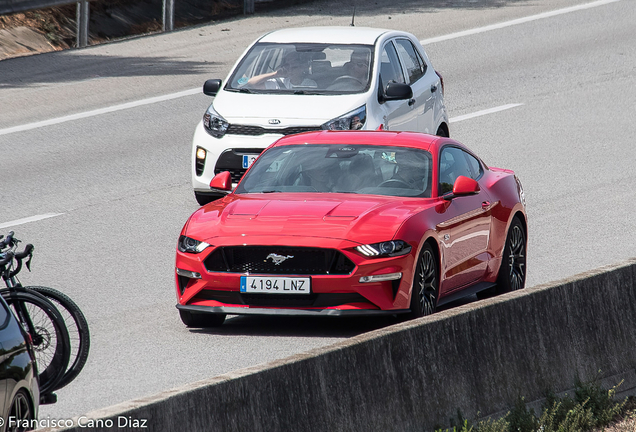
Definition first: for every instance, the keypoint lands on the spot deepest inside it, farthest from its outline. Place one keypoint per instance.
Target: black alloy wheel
(512, 273)
(425, 289)
(21, 413)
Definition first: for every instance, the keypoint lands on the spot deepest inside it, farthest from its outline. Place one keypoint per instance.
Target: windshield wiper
(270, 191)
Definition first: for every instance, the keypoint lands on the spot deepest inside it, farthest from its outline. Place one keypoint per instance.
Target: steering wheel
(344, 81)
(385, 183)
(347, 78)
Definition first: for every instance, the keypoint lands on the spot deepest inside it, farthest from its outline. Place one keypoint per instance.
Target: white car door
(398, 114)
(422, 80)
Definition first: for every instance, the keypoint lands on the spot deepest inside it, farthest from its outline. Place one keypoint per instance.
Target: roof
(388, 138)
(326, 34)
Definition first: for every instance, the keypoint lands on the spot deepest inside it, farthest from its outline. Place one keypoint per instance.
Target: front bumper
(229, 310)
(331, 294)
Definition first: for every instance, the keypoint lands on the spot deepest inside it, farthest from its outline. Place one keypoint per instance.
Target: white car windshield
(307, 68)
(341, 168)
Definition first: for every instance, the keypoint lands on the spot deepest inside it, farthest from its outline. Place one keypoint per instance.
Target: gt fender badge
(273, 121)
(278, 259)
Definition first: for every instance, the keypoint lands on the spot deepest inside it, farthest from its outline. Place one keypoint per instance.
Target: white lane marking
(29, 219)
(100, 111)
(483, 112)
(148, 101)
(517, 21)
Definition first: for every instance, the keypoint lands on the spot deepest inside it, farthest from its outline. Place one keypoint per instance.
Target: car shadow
(295, 326)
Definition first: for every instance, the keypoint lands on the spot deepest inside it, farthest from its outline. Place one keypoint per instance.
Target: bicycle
(44, 324)
(74, 319)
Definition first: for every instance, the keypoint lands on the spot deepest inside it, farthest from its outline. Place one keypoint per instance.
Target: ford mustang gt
(353, 223)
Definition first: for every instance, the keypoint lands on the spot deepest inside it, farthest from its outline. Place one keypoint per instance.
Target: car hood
(290, 110)
(361, 219)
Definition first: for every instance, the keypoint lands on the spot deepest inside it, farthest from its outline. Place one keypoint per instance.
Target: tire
(204, 199)
(77, 327)
(50, 339)
(201, 320)
(512, 273)
(21, 411)
(441, 132)
(425, 290)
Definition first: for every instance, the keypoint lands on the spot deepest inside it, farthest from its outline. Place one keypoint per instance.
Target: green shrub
(590, 408)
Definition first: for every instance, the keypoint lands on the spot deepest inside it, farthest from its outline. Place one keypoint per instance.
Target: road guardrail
(83, 13)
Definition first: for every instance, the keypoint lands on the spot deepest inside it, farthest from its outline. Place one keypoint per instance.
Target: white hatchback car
(303, 79)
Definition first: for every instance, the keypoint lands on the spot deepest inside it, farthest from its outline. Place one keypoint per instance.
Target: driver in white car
(291, 74)
(358, 66)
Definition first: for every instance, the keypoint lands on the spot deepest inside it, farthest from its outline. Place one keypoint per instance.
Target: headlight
(385, 249)
(190, 245)
(353, 120)
(214, 124)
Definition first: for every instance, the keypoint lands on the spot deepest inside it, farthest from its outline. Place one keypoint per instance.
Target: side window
(390, 68)
(452, 164)
(415, 67)
(475, 167)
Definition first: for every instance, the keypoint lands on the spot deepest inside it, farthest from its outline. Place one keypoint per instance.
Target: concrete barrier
(414, 376)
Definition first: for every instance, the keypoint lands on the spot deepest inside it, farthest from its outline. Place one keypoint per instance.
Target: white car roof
(327, 34)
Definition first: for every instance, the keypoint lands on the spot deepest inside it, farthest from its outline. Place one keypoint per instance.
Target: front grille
(236, 174)
(232, 160)
(261, 259)
(235, 129)
(277, 300)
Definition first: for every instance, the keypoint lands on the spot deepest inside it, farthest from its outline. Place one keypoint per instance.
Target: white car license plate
(275, 285)
(248, 160)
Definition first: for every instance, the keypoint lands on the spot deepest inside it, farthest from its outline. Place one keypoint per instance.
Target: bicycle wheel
(77, 327)
(45, 324)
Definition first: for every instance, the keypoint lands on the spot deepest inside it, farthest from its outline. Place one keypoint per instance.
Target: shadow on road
(323, 327)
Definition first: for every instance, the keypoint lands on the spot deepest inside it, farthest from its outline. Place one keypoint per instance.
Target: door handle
(433, 88)
(411, 102)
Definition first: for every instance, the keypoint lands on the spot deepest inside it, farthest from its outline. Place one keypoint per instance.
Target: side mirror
(222, 181)
(212, 87)
(397, 91)
(463, 186)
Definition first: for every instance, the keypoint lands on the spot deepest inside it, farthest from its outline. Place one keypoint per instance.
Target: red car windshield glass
(341, 168)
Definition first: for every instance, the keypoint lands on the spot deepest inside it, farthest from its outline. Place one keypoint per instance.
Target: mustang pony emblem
(278, 259)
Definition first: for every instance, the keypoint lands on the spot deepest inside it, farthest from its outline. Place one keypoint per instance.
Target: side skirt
(481, 286)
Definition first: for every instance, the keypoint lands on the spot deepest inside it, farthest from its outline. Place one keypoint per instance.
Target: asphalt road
(116, 182)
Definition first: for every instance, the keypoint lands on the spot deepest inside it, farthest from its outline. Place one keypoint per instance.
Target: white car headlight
(214, 124)
(353, 120)
(190, 245)
(385, 249)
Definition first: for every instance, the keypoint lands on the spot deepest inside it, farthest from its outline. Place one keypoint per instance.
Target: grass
(589, 409)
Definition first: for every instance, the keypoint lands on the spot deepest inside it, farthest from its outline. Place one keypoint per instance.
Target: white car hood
(290, 110)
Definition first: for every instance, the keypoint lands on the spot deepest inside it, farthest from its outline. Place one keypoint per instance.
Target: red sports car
(353, 223)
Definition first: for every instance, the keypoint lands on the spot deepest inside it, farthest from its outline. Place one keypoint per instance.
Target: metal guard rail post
(83, 13)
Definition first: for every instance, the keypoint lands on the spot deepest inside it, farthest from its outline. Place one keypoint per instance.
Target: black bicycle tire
(61, 300)
(51, 376)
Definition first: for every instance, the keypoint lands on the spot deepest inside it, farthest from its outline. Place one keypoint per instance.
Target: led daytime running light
(390, 248)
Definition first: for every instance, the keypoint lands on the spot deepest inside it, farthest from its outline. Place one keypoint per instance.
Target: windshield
(343, 168)
(304, 69)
